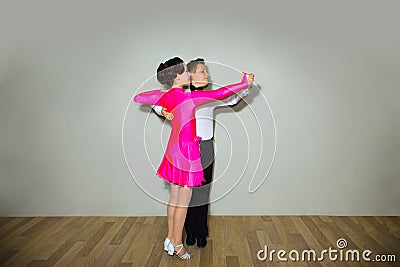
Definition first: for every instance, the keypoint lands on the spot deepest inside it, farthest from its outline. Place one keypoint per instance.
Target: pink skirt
(181, 164)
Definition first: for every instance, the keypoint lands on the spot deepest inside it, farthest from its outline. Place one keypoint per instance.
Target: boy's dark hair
(192, 65)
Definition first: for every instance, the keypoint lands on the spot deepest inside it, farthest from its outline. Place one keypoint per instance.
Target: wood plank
(206, 255)
(90, 234)
(218, 237)
(314, 229)
(100, 246)
(253, 223)
(40, 227)
(230, 238)
(271, 230)
(140, 250)
(232, 261)
(123, 231)
(58, 238)
(123, 247)
(105, 256)
(243, 249)
(157, 253)
(83, 255)
(311, 241)
(281, 229)
(70, 254)
(393, 223)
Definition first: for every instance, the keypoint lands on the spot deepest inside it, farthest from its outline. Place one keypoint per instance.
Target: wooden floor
(233, 241)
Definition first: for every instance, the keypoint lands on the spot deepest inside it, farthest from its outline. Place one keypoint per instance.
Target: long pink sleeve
(202, 97)
(150, 97)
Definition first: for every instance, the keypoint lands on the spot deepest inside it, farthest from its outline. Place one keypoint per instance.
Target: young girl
(181, 164)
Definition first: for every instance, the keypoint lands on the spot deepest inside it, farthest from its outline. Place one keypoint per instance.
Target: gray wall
(329, 70)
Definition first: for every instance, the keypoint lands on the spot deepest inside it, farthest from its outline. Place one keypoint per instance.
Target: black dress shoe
(190, 240)
(201, 242)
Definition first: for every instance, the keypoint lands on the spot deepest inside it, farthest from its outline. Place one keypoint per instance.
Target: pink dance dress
(181, 164)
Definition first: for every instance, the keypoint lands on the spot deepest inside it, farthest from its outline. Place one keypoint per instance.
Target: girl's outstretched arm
(202, 97)
(150, 97)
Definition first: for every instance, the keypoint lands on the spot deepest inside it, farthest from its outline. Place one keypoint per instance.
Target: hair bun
(167, 71)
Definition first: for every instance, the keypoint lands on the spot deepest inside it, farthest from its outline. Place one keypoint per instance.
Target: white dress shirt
(205, 113)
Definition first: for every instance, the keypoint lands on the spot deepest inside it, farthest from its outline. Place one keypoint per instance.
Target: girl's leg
(184, 196)
(173, 200)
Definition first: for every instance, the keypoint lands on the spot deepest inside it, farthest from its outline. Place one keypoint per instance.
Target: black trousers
(196, 218)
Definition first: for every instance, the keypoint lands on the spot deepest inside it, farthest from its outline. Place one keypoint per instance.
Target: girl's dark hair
(167, 71)
(192, 65)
